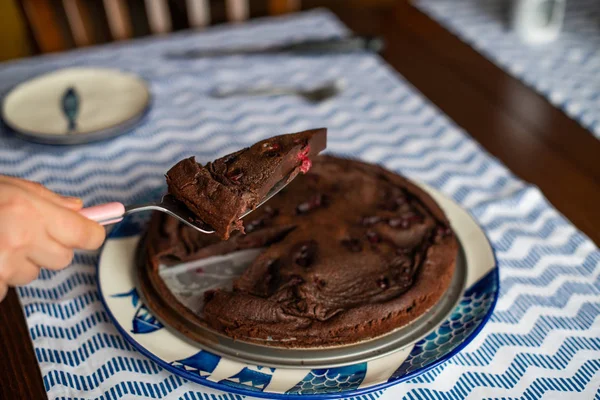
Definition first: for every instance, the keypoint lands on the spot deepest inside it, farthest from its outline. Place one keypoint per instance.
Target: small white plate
(76, 105)
(149, 336)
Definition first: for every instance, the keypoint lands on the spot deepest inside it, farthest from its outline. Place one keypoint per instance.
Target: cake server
(111, 213)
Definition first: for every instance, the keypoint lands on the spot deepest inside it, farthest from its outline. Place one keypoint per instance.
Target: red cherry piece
(234, 175)
(414, 219)
(402, 251)
(398, 223)
(373, 237)
(295, 280)
(313, 202)
(261, 221)
(270, 149)
(405, 221)
(254, 225)
(270, 146)
(305, 163)
(383, 283)
(372, 220)
(319, 282)
(392, 203)
(443, 230)
(305, 253)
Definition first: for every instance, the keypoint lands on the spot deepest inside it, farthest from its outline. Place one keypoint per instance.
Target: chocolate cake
(351, 252)
(220, 192)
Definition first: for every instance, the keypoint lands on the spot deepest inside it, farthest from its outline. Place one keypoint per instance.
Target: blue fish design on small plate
(70, 108)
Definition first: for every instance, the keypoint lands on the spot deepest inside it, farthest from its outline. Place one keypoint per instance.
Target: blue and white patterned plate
(150, 337)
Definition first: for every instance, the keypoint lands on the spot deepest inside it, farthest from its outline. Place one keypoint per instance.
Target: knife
(308, 47)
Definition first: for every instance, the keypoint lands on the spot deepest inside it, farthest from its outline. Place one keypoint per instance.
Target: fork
(313, 95)
(111, 213)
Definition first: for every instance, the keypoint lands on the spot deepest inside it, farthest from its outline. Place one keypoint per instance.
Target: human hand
(39, 228)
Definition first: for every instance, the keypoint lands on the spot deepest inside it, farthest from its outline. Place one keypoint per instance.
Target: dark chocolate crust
(352, 251)
(220, 192)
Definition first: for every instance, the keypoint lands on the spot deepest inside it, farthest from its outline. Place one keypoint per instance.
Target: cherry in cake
(222, 190)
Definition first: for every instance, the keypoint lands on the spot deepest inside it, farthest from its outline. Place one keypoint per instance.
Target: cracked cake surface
(350, 251)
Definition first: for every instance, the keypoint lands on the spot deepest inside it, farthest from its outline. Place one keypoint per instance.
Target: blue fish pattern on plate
(70, 107)
(331, 380)
(135, 297)
(143, 321)
(203, 363)
(248, 379)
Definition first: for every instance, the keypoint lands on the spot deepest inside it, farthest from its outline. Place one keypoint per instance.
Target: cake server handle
(105, 214)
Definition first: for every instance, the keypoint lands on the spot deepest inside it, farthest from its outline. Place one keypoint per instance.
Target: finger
(3, 290)
(16, 269)
(72, 203)
(73, 230)
(48, 253)
(40, 190)
(26, 272)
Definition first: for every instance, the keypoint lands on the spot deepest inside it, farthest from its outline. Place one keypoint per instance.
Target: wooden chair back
(56, 25)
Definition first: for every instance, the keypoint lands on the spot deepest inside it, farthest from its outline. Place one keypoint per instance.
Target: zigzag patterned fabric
(564, 71)
(543, 338)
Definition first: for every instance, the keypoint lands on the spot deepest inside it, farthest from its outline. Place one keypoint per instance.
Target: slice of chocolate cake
(222, 190)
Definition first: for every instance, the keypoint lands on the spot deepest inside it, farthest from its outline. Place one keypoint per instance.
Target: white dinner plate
(117, 286)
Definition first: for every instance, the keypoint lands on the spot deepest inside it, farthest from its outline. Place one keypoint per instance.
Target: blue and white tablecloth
(564, 71)
(544, 337)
